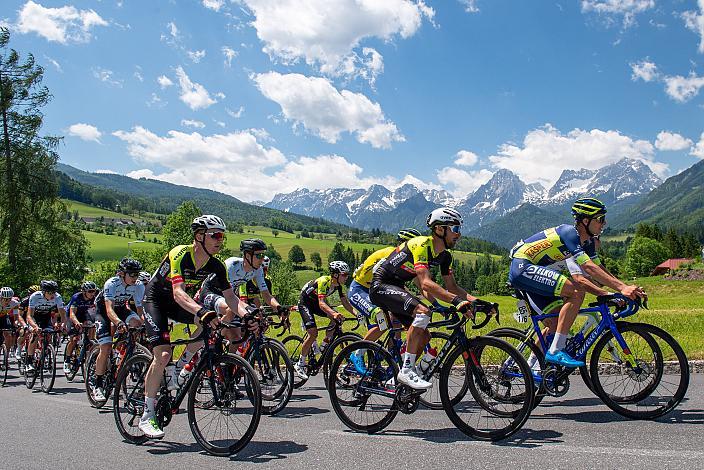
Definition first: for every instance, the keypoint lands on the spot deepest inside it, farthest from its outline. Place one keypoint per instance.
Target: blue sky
(255, 97)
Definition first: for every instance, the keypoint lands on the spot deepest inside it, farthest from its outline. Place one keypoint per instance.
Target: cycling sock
(360, 353)
(149, 406)
(409, 360)
(533, 362)
(558, 343)
(302, 361)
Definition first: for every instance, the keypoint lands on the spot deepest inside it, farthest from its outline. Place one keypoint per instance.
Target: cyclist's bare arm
(452, 286)
(431, 287)
(30, 318)
(329, 311)
(346, 304)
(184, 300)
(270, 300)
(109, 309)
(233, 302)
(587, 285)
(72, 315)
(595, 272)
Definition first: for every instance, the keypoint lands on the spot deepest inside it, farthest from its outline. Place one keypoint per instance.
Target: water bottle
(427, 359)
(186, 372)
(316, 348)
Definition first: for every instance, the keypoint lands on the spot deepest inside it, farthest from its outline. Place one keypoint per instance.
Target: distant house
(111, 221)
(669, 265)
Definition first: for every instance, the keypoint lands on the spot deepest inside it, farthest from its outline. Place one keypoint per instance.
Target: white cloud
(324, 111)
(466, 158)
(107, 76)
(85, 132)
(56, 65)
(698, 150)
(695, 22)
(213, 4)
(669, 141)
(683, 89)
(644, 70)
(327, 33)
(229, 54)
(193, 94)
(192, 123)
(235, 114)
(156, 102)
(611, 9)
(196, 56)
(470, 6)
(463, 182)
(138, 74)
(545, 152)
(64, 25)
(164, 81)
(106, 171)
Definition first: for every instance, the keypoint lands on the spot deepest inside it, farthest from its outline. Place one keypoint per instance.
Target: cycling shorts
(103, 325)
(308, 313)
(6, 322)
(42, 320)
(536, 279)
(358, 296)
(395, 300)
(157, 315)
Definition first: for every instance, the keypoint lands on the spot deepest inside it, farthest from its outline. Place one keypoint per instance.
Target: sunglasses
(130, 274)
(601, 219)
(90, 291)
(216, 235)
(456, 228)
(259, 255)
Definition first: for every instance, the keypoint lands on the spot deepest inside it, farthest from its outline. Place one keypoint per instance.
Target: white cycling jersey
(40, 305)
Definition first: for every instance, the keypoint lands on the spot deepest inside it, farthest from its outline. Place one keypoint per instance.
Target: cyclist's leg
(311, 327)
(358, 296)
(218, 304)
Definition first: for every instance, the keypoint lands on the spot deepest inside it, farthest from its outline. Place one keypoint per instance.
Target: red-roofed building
(669, 265)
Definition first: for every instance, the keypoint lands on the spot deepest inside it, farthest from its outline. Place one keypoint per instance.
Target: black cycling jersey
(400, 266)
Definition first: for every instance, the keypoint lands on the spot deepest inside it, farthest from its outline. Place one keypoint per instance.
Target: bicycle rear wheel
(333, 350)
(293, 345)
(4, 363)
(222, 418)
(431, 398)
(128, 398)
(655, 386)
(501, 397)
(364, 402)
(30, 377)
(71, 360)
(274, 370)
(47, 374)
(90, 376)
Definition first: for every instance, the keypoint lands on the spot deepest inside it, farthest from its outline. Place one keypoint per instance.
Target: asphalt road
(61, 430)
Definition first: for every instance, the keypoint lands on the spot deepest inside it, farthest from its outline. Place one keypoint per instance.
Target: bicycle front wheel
(274, 370)
(128, 398)
(71, 360)
(223, 418)
(501, 387)
(293, 345)
(47, 373)
(657, 383)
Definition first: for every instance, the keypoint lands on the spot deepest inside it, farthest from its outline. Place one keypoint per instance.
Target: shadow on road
(529, 438)
(255, 452)
(295, 397)
(683, 417)
(588, 401)
(300, 412)
(65, 390)
(605, 416)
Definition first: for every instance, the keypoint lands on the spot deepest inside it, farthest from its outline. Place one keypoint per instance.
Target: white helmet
(265, 262)
(339, 267)
(444, 216)
(7, 293)
(207, 222)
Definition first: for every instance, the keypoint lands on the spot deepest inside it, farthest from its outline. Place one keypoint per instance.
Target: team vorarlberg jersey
(41, 306)
(119, 293)
(10, 308)
(553, 245)
(400, 266)
(237, 276)
(178, 267)
(364, 272)
(82, 304)
(320, 288)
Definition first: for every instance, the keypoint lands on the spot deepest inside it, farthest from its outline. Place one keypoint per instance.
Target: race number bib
(522, 314)
(382, 320)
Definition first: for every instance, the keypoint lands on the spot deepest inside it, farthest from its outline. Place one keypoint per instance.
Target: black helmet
(252, 244)
(128, 265)
(48, 286)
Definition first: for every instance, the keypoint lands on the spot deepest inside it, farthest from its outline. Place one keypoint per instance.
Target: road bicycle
(77, 359)
(44, 362)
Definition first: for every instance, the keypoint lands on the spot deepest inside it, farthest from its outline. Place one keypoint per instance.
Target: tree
(275, 233)
(643, 255)
(316, 260)
(33, 227)
(272, 253)
(177, 230)
(284, 283)
(296, 255)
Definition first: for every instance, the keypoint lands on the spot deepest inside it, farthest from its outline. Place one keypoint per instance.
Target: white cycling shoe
(99, 395)
(150, 428)
(300, 371)
(413, 380)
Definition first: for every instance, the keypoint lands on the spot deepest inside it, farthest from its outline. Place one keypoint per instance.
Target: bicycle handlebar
(624, 306)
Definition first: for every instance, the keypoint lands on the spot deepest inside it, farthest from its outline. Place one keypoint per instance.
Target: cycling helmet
(252, 244)
(88, 285)
(444, 216)
(7, 293)
(144, 277)
(128, 265)
(48, 286)
(588, 207)
(337, 267)
(32, 289)
(265, 262)
(408, 233)
(207, 222)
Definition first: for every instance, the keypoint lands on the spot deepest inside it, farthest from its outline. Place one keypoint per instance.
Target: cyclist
(41, 311)
(359, 294)
(8, 310)
(21, 320)
(250, 293)
(184, 267)
(312, 302)
(111, 309)
(530, 272)
(413, 259)
(81, 309)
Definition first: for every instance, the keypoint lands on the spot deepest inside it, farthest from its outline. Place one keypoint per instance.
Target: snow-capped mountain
(622, 182)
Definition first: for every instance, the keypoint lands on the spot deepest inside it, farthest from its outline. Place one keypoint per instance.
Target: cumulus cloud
(326, 112)
(698, 150)
(192, 123)
(85, 132)
(196, 56)
(213, 4)
(235, 114)
(695, 22)
(545, 152)
(229, 54)
(644, 70)
(53, 62)
(670, 141)
(327, 33)
(611, 10)
(466, 158)
(164, 81)
(64, 25)
(193, 94)
(470, 6)
(107, 76)
(462, 182)
(683, 89)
